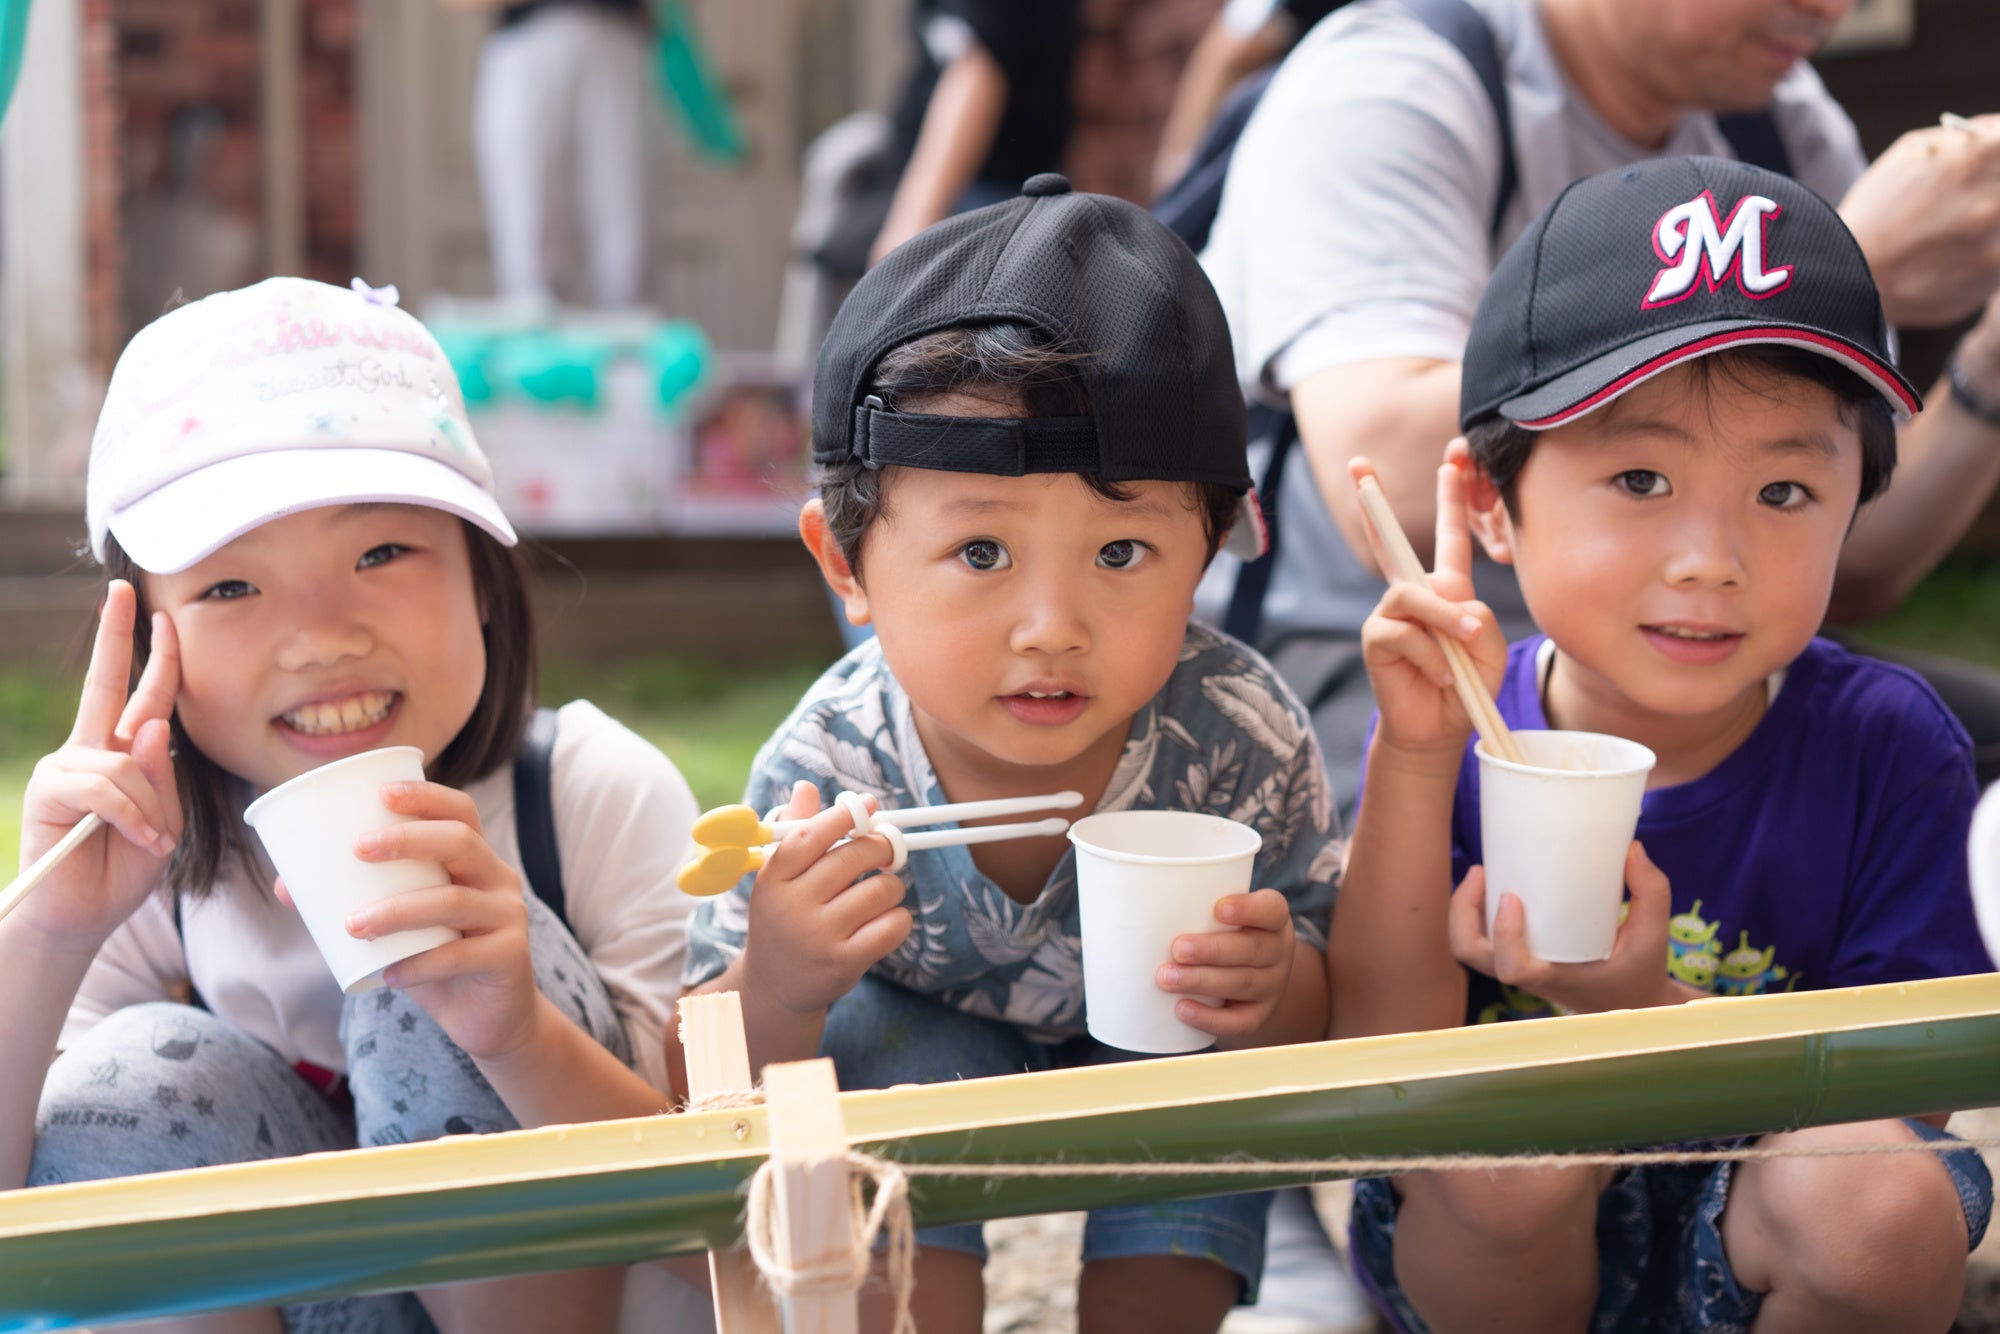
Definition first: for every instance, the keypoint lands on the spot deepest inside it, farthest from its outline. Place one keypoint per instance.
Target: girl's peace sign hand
(116, 766)
(1420, 711)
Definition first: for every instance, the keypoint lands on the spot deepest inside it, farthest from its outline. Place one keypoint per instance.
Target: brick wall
(1126, 68)
(175, 194)
(333, 180)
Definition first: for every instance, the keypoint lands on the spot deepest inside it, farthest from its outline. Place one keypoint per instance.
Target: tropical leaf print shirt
(1224, 736)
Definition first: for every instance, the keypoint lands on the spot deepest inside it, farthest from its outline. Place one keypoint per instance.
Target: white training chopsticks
(737, 839)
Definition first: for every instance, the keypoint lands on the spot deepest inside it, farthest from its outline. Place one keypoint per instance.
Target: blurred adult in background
(1364, 209)
(986, 106)
(559, 113)
(1244, 37)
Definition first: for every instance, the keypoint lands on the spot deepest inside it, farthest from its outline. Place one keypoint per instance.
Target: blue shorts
(1661, 1266)
(880, 1034)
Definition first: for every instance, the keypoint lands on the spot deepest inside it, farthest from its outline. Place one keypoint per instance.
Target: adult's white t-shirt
(1355, 225)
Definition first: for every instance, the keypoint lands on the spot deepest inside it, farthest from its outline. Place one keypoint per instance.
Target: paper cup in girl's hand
(309, 825)
(1555, 831)
(1142, 878)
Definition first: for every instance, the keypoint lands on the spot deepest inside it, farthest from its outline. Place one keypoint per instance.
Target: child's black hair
(213, 801)
(1009, 366)
(1501, 448)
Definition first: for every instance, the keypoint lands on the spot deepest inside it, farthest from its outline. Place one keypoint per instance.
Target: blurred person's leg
(520, 124)
(839, 167)
(1307, 1288)
(610, 150)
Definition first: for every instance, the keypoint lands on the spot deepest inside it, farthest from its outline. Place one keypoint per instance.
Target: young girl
(307, 561)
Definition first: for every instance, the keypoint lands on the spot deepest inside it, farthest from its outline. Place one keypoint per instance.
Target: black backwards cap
(1095, 276)
(1636, 270)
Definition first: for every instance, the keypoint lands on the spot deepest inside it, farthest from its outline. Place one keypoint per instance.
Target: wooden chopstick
(1404, 567)
(11, 897)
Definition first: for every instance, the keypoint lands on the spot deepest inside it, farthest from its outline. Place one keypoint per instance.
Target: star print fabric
(162, 1086)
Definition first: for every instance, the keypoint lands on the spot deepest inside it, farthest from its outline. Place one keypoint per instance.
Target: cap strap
(997, 446)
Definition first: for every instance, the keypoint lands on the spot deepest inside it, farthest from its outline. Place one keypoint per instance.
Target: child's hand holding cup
(1143, 878)
(309, 825)
(1555, 832)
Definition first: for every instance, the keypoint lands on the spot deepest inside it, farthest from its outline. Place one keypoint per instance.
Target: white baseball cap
(287, 395)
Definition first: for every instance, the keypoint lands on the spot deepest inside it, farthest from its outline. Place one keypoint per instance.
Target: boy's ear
(846, 585)
(1486, 514)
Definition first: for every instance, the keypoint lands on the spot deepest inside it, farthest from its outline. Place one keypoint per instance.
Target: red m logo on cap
(1698, 246)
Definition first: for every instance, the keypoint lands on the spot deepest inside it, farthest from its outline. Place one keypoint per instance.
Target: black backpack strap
(1188, 206)
(1460, 24)
(535, 812)
(1755, 139)
(1246, 603)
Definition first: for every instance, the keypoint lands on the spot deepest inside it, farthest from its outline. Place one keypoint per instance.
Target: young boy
(1032, 443)
(1677, 393)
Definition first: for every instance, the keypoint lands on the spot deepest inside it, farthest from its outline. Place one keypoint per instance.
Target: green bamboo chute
(474, 1207)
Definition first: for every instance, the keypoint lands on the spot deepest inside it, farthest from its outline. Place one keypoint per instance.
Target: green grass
(1956, 613)
(36, 709)
(707, 718)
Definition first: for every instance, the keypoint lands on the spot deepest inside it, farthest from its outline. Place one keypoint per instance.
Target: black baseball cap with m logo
(1636, 270)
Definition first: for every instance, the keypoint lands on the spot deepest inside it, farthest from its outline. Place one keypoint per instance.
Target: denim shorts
(881, 1034)
(1661, 1266)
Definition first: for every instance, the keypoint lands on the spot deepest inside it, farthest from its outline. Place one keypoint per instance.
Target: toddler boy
(1032, 444)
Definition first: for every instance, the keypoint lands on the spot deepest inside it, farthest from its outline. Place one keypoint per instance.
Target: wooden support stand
(813, 1229)
(718, 1062)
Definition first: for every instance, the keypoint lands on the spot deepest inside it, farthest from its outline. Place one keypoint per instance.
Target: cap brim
(1248, 537)
(195, 515)
(1595, 383)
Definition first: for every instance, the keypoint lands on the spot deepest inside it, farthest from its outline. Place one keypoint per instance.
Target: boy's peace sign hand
(1411, 676)
(116, 766)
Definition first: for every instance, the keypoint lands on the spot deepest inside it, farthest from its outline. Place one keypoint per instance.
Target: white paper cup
(309, 825)
(1555, 831)
(1983, 852)
(1142, 878)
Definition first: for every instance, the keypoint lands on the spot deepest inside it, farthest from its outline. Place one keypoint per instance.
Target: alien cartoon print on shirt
(1694, 956)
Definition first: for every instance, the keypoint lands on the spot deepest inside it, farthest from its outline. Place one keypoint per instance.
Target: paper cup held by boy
(1555, 832)
(309, 825)
(1983, 851)
(1142, 878)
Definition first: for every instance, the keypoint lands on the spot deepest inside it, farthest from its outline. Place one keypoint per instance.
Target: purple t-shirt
(1827, 851)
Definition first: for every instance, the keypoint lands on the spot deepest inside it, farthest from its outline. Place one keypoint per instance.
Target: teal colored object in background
(694, 90)
(466, 349)
(548, 366)
(677, 358)
(13, 37)
(565, 366)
